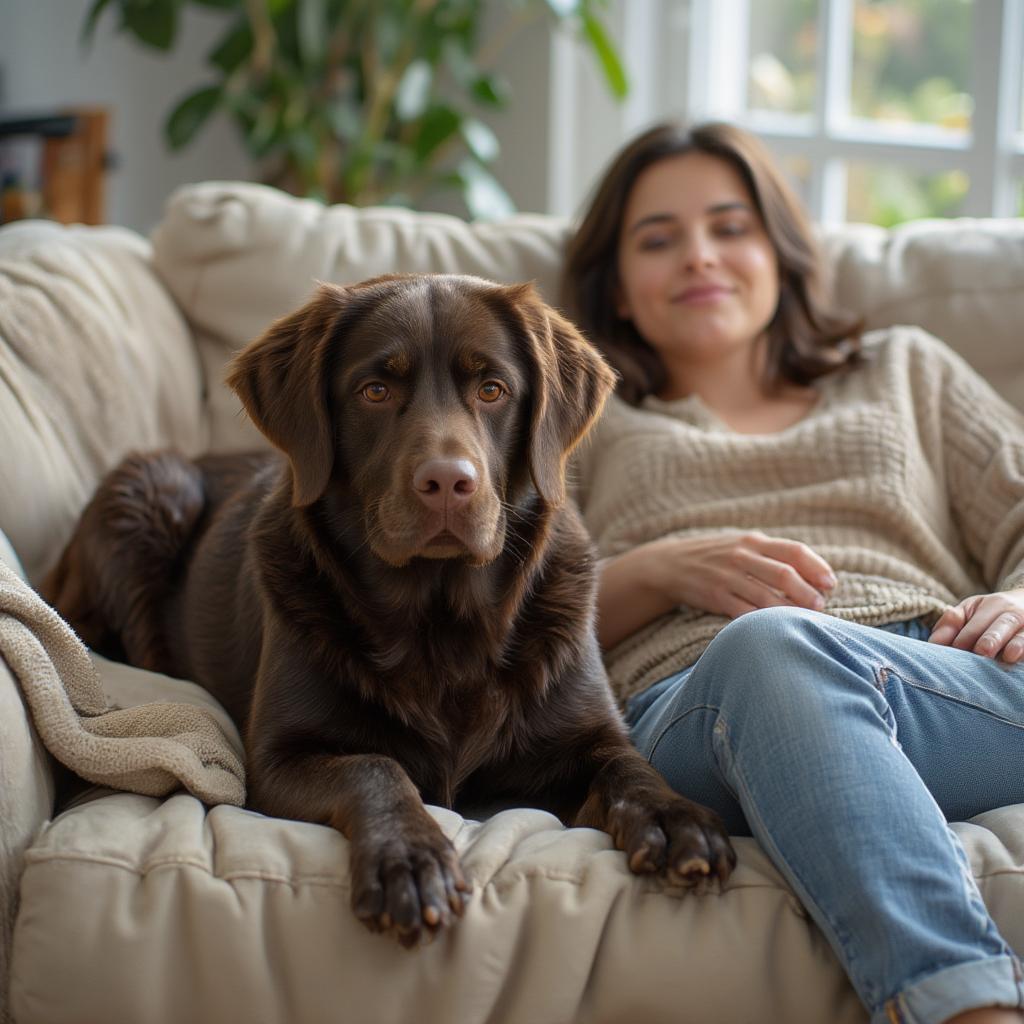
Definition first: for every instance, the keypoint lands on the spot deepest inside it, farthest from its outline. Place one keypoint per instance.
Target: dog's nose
(442, 483)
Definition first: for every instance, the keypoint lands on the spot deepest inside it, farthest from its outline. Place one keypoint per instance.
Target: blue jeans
(844, 749)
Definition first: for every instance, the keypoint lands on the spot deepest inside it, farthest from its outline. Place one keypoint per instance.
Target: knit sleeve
(982, 438)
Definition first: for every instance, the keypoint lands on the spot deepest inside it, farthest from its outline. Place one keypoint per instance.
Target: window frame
(991, 153)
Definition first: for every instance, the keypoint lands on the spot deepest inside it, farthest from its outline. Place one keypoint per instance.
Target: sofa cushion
(95, 359)
(959, 279)
(229, 916)
(237, 256)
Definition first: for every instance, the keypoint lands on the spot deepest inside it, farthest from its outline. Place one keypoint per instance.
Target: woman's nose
(698, 252)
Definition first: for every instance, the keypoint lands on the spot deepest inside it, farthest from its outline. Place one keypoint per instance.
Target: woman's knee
(779, 656)
(766, 631)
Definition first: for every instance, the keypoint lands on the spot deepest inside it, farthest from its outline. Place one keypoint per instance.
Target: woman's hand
(723, 573)
(734, 573)
(991, 625)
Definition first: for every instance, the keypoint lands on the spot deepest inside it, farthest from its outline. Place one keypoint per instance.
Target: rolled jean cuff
(995, 981)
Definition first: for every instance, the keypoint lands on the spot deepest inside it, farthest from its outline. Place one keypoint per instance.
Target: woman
(786, 513)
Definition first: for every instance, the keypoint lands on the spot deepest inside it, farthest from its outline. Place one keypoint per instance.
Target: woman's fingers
(987, 624)
(783, 581)
(804, 560)
(949, 624)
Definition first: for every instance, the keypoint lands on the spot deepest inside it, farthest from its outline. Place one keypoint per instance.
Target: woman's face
(698, 274)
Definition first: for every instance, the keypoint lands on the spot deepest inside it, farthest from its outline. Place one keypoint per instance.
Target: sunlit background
(881, 110)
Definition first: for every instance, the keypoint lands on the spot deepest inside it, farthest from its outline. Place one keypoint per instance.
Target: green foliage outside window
(910, 63)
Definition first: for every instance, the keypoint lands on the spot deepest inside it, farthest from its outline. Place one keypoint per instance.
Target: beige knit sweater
(907, 477)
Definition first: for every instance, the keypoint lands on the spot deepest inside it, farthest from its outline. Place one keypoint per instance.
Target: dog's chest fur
(451, 703)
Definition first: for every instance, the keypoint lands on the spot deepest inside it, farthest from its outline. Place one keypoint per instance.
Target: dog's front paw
(672, 836)
(407, 880)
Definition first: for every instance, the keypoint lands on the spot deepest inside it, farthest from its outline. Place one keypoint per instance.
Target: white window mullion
(983, 163)
(719, 59)
(640, 42)
(832, 106)
(835, 65)
(1009, 165)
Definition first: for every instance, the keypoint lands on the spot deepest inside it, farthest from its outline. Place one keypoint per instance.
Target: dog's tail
(116, 574)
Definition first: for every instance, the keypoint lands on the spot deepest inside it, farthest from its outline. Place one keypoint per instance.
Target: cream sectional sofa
(126, 908)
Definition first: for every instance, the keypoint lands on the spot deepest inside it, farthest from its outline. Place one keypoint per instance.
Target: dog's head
(439, 401)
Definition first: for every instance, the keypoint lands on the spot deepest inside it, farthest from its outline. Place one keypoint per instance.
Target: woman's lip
(706, 293)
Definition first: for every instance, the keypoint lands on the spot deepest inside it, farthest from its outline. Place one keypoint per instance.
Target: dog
(397, 605)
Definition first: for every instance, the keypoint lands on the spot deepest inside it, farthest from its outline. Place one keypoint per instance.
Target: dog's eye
(375, 392)
(490, 391)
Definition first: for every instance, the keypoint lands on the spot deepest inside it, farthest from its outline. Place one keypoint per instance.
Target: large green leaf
(491, 91)
(219, 4)
(265, 132)
(89, 25)
(607, 55)
(153, 22)
(191, 114)
(437, 125)
(234, 47)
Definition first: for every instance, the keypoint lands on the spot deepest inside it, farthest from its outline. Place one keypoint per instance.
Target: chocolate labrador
(399, 606)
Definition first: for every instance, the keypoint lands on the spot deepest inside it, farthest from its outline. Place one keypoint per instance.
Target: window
(897, 109)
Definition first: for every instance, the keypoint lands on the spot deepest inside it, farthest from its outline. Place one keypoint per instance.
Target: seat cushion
(150, 911)
(230, 916)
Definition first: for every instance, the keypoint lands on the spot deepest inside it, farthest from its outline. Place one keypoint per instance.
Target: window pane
(911, 61)
(887, 195)
(783, 44)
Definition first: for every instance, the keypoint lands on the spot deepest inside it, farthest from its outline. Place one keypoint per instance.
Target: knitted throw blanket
(907, 477)
(152, 749)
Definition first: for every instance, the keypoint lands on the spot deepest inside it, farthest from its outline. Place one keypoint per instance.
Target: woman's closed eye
(652, 243)
(732, 228)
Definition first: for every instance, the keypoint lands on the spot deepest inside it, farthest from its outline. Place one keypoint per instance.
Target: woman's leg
(843, 749)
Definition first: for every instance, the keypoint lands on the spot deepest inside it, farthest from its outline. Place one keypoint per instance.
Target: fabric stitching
(778, 860)
(952, 697)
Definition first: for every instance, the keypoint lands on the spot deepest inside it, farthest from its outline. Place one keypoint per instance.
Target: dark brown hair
(808, 336)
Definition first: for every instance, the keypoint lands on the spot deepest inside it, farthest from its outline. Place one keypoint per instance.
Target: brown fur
(372, 659)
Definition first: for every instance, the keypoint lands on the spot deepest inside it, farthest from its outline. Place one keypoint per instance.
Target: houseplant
(361, 101)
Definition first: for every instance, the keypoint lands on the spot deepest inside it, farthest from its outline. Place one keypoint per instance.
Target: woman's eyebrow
(734, 204)
(668, 218)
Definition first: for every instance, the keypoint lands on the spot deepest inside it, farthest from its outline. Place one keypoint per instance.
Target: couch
(120, 907)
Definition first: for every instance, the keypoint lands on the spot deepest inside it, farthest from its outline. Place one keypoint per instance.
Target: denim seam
(750, 809)
(679, 718)
(889, 670)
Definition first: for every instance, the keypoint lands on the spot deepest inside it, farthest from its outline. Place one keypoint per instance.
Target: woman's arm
(722, 573)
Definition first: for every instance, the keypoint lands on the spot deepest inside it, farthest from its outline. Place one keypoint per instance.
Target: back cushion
(236, 256)
(95, 360)
(962, 280)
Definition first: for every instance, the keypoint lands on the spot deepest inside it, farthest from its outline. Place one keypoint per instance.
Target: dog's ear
(282, 379)
(570, 382)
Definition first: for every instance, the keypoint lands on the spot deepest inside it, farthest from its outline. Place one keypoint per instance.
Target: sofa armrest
(27, 792)
(96, 359)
